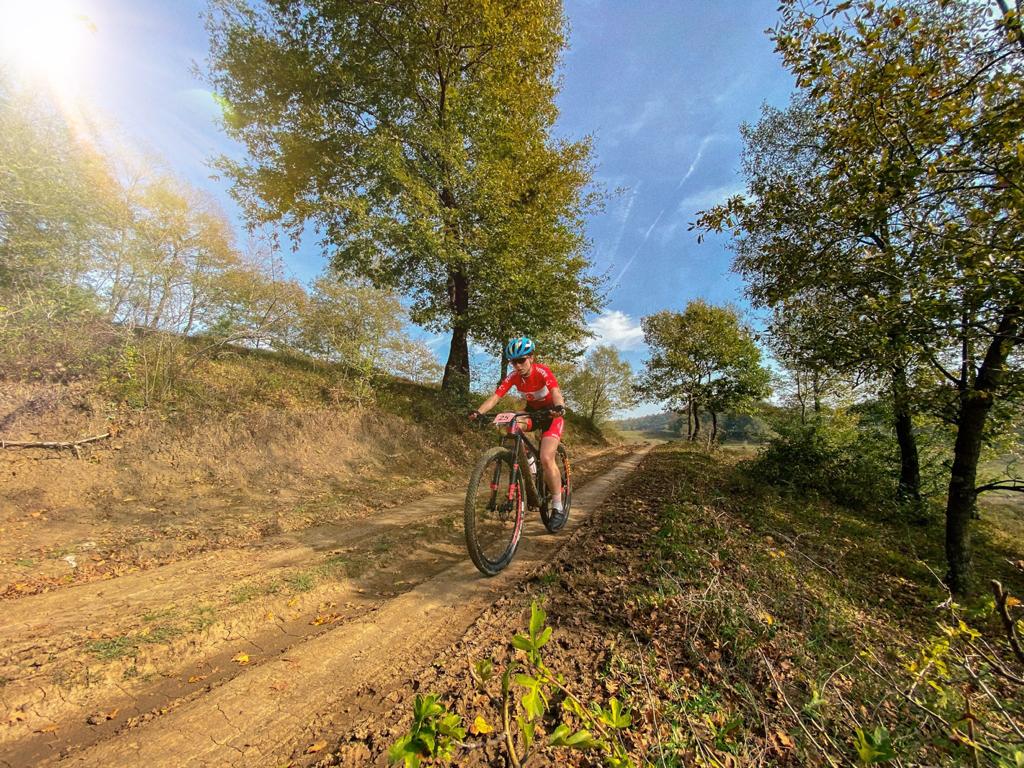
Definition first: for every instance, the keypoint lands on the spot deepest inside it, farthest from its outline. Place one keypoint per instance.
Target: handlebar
(485, 417)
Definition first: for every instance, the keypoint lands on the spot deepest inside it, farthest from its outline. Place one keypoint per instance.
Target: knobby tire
(476, 512)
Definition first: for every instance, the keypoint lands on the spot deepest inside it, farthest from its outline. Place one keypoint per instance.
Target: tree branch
(1008, 623)
(57, 444)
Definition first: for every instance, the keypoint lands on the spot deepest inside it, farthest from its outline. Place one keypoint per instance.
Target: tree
(603, 385)
(799, 229)
(364, 329)
(916, 115)
(416, 137)
(702, 359)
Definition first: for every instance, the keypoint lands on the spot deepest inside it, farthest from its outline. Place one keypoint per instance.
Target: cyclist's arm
(489, 403)
(556, 397)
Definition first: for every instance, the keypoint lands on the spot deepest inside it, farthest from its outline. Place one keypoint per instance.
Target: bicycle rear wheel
(495, 500)
(555, 521)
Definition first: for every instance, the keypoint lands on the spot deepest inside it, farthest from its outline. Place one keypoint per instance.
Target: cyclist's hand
(473, 415)
(557, 409)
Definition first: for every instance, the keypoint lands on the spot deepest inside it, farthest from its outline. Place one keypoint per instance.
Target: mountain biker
(539, 386)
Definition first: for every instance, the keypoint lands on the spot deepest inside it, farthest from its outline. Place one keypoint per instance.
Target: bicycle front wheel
(495, 501)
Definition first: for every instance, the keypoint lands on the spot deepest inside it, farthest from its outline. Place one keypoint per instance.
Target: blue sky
(662, 85)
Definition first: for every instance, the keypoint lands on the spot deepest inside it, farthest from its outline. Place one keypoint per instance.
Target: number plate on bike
(504, 418)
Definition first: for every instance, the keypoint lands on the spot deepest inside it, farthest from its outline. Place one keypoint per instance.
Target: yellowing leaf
(1012, 601)
(480, 726)
(766, 618)
(316, 747)
(241, 657)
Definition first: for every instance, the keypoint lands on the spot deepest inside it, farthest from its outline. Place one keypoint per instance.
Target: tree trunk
(975, 404)
(456, 370)
(910, 466)
(714, 429)
(689, 421)
(696, 421)
(504, 364)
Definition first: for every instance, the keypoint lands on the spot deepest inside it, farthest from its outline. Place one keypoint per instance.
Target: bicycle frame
(515, 437)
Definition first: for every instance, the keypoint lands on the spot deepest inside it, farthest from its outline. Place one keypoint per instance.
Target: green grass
(113, 648)
(203, 616)
(169, 612)
(303, 581)
(247, 592)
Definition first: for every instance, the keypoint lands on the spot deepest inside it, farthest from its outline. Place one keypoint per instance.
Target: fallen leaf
(316, 747)
(51, 728)
(766, 618)
(197, 678)
(480, 726)
(785, 740)
(241, 657)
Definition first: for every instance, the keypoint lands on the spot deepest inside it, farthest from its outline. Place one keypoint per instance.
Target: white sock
(556, 503)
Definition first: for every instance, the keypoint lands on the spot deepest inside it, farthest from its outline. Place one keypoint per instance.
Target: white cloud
(696, 160)
(708, 198)
(618, 329)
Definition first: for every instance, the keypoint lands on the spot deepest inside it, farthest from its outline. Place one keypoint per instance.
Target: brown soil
(222, 600)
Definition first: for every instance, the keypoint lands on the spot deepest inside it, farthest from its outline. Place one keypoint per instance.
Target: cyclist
(539, 386)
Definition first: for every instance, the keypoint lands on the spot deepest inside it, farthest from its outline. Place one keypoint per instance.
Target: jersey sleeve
(505, 385)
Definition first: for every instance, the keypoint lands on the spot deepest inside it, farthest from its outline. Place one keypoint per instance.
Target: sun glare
(46, 40)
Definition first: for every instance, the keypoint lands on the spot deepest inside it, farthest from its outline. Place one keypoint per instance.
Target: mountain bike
(504, 481)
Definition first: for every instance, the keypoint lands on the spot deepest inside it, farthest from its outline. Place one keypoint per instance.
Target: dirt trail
(306, 681)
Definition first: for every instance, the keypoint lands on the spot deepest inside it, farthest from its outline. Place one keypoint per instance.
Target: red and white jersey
(536, 386)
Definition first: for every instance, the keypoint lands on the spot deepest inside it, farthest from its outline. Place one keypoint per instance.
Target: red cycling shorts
(552, 426)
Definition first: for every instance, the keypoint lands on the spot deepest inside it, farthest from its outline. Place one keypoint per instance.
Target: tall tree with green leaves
(797, 228)
(416, 137)
(702, 359)
(916, 111)
(602, 385)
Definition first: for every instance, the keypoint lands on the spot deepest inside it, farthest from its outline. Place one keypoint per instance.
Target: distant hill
(666, 421)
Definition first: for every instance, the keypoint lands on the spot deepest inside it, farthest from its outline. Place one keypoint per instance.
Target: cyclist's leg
(548, 449)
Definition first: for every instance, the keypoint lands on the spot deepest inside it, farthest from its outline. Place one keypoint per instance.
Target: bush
(53, 335)
(836, 455)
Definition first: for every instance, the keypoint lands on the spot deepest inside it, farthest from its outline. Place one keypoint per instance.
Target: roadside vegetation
(727, 623)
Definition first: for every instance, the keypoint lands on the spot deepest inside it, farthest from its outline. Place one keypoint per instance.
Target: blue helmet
(519, 347)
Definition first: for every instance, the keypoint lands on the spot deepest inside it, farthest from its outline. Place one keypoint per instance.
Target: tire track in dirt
(311, 674)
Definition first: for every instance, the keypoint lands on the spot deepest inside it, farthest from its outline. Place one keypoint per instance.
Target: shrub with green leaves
(836, 455)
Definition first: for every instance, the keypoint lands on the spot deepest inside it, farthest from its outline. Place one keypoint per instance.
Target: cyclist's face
(523, 364)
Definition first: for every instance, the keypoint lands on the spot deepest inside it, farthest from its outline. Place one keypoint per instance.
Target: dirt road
(247, 657)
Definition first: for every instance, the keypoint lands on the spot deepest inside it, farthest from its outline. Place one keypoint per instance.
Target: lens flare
(46, 42)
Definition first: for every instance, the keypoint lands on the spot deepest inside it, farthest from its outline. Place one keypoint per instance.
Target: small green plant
(434, 734)
(874, 746)
(599, 726)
